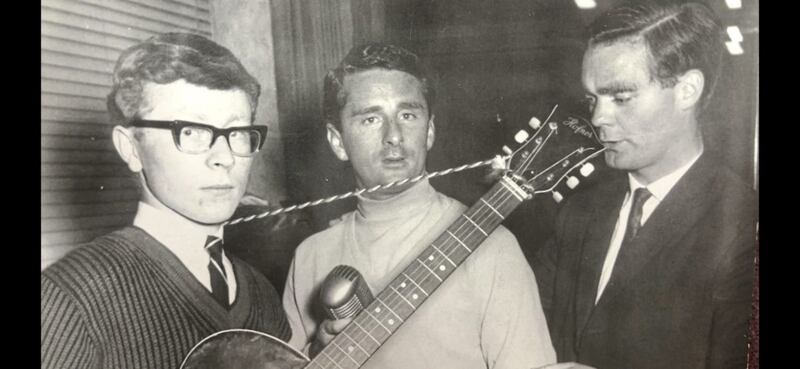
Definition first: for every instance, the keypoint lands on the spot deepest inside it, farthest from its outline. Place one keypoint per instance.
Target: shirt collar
(399, 205)
(183, 237)
(661, 187)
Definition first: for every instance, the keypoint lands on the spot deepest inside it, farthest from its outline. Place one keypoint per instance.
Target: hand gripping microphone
(344, 293)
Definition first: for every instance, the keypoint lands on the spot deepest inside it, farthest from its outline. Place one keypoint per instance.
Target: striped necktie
(219, 279)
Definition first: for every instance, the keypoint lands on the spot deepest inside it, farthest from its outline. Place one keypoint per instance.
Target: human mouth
(218, 189)
(611, 144)
(394, 161)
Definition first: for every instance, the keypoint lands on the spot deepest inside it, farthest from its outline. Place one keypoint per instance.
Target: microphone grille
(344, 293)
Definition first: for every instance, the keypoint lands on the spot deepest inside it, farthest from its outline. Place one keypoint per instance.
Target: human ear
(335, 141)
(431, 133)
(125, 144)
(689, 88)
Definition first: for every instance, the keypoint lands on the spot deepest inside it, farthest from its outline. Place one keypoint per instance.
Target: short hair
(678, 37)
(169, 57)
(373, 55)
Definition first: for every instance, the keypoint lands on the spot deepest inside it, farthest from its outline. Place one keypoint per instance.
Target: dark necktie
(219, 284)
(640, 196)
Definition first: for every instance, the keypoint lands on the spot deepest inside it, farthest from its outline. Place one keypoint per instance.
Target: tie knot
(214, 246)
(640, 196)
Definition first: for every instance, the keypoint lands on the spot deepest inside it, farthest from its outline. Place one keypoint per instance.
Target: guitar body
(243, 349)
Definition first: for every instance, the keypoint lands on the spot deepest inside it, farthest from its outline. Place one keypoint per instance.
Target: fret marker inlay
(443, 254)
(429, 269)
(415, 283)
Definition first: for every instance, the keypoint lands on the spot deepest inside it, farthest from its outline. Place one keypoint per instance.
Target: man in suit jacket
(659, 277)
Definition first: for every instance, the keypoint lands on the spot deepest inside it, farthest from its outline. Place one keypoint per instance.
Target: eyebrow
(617, 87)
(367, 110)
(411, 105)
(376, 108)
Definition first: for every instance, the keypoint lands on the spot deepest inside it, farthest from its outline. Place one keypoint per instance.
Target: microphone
(344, 293)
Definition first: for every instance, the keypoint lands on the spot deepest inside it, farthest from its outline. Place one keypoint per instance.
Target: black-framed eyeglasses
(197, 138)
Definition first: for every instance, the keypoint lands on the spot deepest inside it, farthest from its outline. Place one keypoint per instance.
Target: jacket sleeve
(732, 296)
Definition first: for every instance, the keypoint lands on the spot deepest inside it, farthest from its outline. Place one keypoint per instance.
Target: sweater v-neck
(221, 317)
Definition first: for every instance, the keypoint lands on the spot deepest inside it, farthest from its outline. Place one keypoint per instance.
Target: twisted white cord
(362, 191)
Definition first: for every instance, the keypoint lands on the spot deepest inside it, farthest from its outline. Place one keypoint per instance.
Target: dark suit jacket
(680, 292)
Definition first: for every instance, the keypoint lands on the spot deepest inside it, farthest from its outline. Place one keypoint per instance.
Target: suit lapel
(596, 242)
(672, 219)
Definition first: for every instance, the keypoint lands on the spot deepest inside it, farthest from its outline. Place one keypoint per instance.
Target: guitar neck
(409, 290)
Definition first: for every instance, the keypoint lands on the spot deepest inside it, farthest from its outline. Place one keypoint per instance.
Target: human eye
(189, 131)
(372, 119)
(408, 116)
(622, 98)
(194, 138)
(194, 132)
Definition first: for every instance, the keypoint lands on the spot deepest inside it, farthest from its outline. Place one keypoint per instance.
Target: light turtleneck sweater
(486, 315)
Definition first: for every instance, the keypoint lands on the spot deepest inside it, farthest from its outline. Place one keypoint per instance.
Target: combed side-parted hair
(169, 57)
(679, 36)
(373, 55)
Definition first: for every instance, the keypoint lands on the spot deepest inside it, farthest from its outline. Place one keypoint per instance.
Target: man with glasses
(143, 296)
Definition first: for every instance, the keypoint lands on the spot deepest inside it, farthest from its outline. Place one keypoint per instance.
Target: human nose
(220, 154)
(392, 132)
(602, 114)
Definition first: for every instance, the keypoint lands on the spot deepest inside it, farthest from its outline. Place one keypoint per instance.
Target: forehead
(615, 64)
(376, 85)
(185, 101)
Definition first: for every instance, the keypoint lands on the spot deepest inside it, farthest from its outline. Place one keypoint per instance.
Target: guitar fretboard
(409, 290)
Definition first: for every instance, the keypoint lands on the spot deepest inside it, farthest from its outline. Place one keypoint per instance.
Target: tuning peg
(507, 150)
(587, 169)
(534, 123)
(572, 182)
(557, 196)
(521, 136)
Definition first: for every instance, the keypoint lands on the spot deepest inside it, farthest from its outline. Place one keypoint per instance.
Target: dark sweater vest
(125, 301)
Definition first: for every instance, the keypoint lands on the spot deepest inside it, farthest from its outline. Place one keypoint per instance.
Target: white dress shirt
(659, 188)
(186, 240)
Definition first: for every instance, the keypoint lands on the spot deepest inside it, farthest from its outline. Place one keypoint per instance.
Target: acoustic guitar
(540, 163)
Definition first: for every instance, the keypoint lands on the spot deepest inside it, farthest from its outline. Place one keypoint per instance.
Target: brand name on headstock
(575, 125)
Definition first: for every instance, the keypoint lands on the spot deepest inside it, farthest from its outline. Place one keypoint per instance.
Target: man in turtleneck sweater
(144, 295)
(488, 313)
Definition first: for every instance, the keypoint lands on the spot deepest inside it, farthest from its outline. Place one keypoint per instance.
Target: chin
(212, 216)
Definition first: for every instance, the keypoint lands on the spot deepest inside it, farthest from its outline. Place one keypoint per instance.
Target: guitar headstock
(558, 146)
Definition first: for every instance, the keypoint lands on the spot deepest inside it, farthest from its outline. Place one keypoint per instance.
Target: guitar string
(396, 297)
(451, 243)
(369, 328)
(415, 269)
